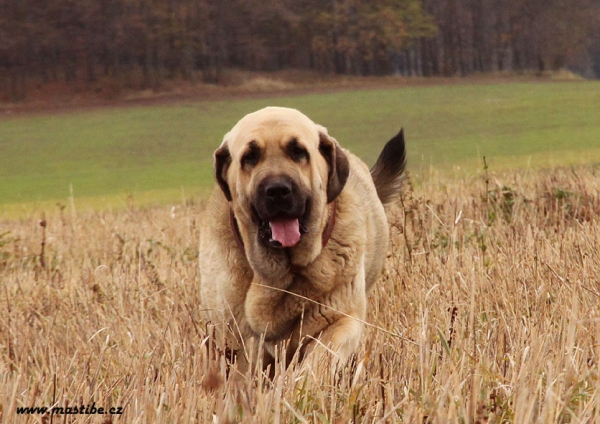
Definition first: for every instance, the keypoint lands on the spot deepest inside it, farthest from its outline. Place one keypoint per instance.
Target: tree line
(143, 42)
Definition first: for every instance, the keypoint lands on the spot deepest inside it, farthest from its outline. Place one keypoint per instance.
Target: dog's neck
(324, 238)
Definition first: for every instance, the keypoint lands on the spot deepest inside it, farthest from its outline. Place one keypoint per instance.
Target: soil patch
(61, 97)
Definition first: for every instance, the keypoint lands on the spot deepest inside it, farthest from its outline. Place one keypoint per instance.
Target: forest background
(140, 44)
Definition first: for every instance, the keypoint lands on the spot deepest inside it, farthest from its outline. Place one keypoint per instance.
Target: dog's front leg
(274, 312)
(344, 313)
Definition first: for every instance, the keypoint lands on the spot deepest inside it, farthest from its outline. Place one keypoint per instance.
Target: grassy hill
(163, 153)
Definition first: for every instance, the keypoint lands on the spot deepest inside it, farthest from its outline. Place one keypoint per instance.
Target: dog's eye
(251, 157)
(296, 152)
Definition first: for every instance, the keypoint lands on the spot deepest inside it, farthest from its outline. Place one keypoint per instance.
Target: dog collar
(330, 224)
(236, 231)
(324, 238)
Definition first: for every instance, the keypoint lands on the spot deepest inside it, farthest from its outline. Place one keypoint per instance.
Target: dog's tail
(388, 171)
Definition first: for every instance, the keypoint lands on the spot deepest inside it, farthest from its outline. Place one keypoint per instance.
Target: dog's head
(279, 170)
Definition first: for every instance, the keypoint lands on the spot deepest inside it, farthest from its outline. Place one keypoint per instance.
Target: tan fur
(261, 292)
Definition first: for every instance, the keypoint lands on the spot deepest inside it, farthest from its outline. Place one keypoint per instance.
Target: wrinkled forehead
(272, 125)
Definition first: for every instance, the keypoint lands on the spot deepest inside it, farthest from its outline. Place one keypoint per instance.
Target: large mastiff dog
(294, 237)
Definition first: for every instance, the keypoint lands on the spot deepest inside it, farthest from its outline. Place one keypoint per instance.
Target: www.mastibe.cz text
(70, 410)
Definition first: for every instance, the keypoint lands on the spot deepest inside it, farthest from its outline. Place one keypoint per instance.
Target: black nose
(278, 190)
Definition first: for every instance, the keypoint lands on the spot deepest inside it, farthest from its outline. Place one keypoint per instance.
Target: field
(159, 154)
(488, 309)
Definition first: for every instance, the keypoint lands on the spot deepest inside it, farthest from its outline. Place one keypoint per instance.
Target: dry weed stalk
(493, 285)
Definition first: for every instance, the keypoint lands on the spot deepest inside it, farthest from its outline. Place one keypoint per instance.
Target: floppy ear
(339, 168)
(222, 162)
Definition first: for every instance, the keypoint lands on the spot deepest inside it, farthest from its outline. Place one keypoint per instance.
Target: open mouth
(282, 230)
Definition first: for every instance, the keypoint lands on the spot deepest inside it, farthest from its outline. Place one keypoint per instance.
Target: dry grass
(491, 302)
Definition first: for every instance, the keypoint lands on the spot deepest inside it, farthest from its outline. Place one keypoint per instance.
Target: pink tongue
(285, 231)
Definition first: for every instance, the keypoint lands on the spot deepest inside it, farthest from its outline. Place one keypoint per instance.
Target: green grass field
(164, 153)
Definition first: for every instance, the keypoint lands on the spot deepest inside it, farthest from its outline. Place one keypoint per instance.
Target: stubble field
(488, 311)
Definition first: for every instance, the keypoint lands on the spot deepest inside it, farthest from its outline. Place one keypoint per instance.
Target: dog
(293, 237)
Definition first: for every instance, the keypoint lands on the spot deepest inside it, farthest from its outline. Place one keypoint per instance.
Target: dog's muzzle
(281, 208)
